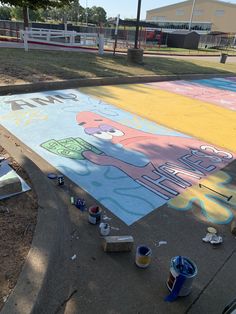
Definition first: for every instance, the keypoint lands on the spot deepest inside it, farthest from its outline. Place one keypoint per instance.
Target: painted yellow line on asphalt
(208, 122)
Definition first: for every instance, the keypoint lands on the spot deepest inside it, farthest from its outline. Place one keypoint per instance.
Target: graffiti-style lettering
(68, 96)
(213, 158)
(46, 101)
(179, 169)
(161, 181)
(174, 171)
(226, 155)
(196, 164)
(19, 104)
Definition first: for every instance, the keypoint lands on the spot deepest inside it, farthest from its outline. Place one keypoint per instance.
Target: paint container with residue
(104, 228)
(143, 256)
(60, 180)
(94, 215)
(80, 203)
(182, 273)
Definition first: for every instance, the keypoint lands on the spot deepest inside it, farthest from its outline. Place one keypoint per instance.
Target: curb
(45, 247)
(75, 83)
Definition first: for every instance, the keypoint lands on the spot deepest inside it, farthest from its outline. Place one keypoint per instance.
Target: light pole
(86, 13)
(137, 24)
(77, 12)
(191, 17)
(135, 54)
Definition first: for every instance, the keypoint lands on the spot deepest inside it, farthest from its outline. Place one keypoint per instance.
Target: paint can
(60, 180)
(143, 256)
(104, 228)
(80, 203)
(182, 273)
(94, 214)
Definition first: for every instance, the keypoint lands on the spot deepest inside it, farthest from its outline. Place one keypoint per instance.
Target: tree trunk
(26, 17)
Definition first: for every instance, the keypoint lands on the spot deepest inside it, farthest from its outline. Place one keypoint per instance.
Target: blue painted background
(110, 186)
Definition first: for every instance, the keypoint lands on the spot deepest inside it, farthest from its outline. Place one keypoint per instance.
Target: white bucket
(104, 229)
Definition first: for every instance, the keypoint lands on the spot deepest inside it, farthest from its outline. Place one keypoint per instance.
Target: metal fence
(125, 36)
(220, 41)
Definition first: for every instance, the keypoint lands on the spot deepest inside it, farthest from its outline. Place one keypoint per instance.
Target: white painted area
(7, 171)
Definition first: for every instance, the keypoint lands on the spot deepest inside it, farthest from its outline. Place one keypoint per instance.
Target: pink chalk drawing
(174, 162)
(220, 97)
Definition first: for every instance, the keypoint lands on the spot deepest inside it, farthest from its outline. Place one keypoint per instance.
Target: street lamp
(191, 17)
(86, 13)
(135, 54)
(137, 24)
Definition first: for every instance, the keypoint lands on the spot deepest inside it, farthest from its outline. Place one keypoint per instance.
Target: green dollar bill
(88, 146)
(69, 147)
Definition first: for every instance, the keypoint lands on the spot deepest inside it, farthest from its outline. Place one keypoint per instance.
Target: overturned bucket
(182, 273)
(143, 256)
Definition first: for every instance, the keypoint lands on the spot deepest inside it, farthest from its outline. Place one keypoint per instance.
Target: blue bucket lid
(52, 176)
(184, 266)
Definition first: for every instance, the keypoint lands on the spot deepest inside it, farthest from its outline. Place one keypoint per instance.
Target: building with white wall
(207, 16)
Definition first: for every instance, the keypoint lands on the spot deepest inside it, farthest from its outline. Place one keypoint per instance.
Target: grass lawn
(18, 66)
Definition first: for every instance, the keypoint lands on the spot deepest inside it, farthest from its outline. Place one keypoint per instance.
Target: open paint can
(182, 273)
(143, 256)
(94, 215)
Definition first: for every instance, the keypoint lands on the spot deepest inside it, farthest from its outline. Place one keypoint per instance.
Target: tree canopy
(97, 15)
(57, 11)
(5, 13)
(35, 4)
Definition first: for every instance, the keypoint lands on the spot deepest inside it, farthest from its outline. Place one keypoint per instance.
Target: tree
(34, 15)
(34, 5)
(73, 12)
(97, 15)
(5, 13)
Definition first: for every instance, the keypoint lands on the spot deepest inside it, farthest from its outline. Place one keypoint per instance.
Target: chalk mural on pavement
(129, 164)
(213, 205)
(221, 92)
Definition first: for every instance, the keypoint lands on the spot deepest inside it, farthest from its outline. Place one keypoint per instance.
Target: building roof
(183, 32)
(180, 4)
(133, 23)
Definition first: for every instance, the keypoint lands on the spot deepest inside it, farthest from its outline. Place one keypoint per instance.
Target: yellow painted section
(210, 123)
(24, 117)
(212, 208)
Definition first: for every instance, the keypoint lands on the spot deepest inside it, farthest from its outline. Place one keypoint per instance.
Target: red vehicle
(153, 35)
